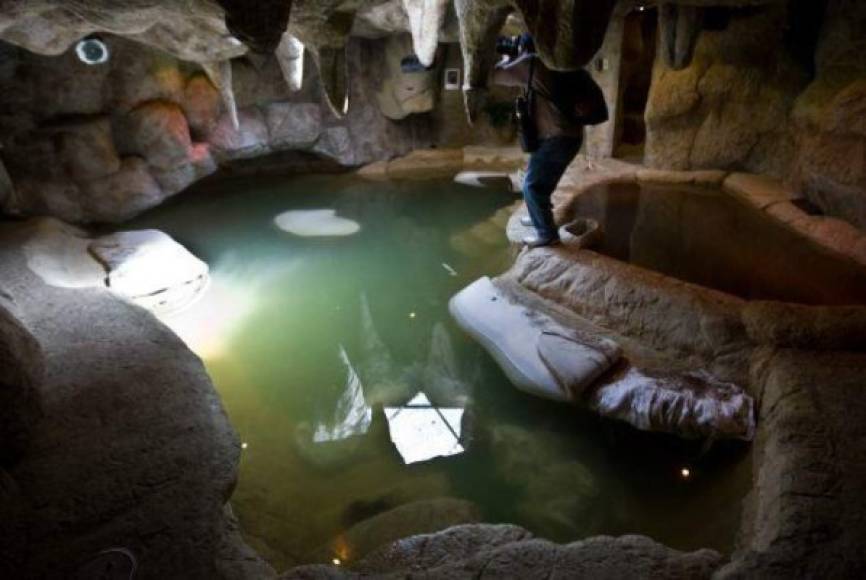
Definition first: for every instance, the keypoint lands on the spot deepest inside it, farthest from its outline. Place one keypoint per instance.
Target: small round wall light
(92, 50)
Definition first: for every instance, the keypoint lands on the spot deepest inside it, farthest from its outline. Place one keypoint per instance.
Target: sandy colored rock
(87, 149)
(375, 170)
(491, 158)
(122, 195)
(805, 511)
(725, 109)
(202, 104)
(807, 327)
(685, 319)
(759, 190)
(706, 177)
(401, 94)
(427, 164)
(158, 132)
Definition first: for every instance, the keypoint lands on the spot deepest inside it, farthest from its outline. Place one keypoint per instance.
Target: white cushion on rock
(512, 333)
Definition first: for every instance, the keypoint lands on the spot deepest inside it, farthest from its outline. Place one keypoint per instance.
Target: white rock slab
(148, 266)
(316, 223)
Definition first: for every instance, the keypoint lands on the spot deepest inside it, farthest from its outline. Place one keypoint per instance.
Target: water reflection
(316, 223)
(352, 415)
(335, 393)
(422, 431)
(704, 236)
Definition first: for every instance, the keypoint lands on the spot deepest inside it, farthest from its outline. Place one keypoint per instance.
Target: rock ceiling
(211, 32)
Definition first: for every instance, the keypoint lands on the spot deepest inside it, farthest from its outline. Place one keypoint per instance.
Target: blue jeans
(546, 166)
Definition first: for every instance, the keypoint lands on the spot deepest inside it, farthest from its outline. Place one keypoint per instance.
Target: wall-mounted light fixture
(92, 50)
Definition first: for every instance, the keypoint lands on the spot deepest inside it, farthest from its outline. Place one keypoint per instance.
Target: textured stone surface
(131, 451)
(729, 107)
(805, 513)
(158, 132)
(87, 149)
(401, 94)
(831, 162)
(490, 551)
(202, 105)
(293, 125)
(427, 164)
(63, 157)
(419, 517)
(121, 195)
(689, 322)
(743, 102)
(23, 367)
(758, 190)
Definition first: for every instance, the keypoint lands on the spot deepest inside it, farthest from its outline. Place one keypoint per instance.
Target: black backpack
(578, 97)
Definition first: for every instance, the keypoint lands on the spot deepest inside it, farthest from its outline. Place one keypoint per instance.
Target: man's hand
(503, 62)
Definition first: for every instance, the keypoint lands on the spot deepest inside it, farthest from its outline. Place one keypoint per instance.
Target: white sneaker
(536, 242)
(526, 221)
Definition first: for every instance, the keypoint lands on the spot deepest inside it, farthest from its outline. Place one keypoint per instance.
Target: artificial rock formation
(129, 450)
(127, 135)
(23, 367)
(762, 95)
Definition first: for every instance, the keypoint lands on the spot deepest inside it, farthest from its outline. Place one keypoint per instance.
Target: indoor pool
(704, 236)
(354, 394)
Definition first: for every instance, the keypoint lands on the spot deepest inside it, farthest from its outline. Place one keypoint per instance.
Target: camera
(513, 46)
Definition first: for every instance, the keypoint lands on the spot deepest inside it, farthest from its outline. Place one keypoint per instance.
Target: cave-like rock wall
(103, 143)
(778, 89)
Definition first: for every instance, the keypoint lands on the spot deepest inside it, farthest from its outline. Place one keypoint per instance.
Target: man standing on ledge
(559, 128)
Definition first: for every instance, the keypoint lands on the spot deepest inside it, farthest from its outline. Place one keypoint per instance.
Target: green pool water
(340, 369)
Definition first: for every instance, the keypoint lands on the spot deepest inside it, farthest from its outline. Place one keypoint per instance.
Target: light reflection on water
(341, 370)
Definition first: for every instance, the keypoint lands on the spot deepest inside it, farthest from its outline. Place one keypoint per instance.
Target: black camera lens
(509, 45)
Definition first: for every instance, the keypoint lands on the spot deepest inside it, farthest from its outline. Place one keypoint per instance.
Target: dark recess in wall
(805, 18)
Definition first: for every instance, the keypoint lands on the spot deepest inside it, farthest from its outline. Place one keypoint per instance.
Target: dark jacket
(565, 101)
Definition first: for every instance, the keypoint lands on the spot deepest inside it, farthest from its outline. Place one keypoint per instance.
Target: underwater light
(411, 315)
(685, 472)
(244, 445)
(92, 50)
